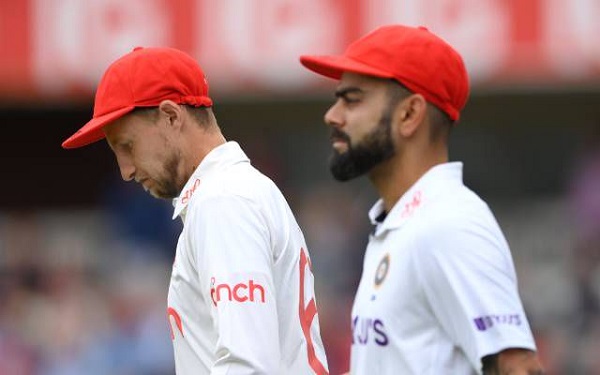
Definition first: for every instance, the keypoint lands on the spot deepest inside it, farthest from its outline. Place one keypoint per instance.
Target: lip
(339, 144)
(143, 183)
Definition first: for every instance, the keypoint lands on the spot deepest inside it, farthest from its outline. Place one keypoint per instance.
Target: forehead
(124, 127)
(362, 81)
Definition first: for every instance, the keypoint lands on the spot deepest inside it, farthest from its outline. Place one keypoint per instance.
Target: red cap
(143, 78)
(415, 57)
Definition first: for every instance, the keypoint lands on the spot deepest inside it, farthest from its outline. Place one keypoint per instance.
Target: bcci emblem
(382, 270)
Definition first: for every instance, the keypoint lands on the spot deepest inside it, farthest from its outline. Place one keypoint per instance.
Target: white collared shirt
(241, 297)
(438, 290)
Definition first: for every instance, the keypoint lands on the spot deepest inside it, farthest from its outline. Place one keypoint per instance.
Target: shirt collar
(222, 156)
(433, 181)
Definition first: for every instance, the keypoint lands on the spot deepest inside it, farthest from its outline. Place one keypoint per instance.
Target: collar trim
(434, 181)
(217, 159)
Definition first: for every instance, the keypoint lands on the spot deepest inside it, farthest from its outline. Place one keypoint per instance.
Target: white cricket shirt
(438, 290)
(241, 298)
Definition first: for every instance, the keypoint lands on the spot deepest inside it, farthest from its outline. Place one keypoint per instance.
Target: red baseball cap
(415, 57)
(143, 78)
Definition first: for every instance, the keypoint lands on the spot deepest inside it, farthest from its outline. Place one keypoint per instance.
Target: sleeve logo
(242, 292)
(486, 322)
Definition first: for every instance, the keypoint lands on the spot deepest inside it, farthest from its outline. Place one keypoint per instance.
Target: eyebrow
(116, 143)
(343, 92)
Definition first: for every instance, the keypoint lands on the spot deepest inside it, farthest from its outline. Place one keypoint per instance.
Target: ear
(171, 112)
(410, 113)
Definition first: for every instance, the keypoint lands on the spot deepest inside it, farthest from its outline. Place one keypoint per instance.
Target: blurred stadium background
(85, 258)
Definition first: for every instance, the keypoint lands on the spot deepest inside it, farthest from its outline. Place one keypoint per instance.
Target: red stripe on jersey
(171, 312)
(306, 318)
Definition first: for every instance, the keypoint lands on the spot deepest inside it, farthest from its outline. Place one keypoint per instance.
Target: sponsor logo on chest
(368, 331)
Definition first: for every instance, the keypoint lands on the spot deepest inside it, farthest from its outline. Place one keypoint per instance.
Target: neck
(197, 147)
(394, 177)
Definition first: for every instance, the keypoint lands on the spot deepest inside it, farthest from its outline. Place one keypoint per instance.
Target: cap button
(423, 28)
(137, 48)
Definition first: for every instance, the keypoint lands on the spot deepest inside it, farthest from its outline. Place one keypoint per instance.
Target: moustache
(337, 134)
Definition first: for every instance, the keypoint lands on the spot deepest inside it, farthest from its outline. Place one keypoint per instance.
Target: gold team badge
(382, 270)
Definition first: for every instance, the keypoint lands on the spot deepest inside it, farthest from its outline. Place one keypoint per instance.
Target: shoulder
(460, 243)
(242, 180)
(459, 224)
(459, 201)
(236, 192)
(455, 211)
(238, 180)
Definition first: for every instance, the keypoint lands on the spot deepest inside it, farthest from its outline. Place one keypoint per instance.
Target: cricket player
(438, 292)
(241, 296)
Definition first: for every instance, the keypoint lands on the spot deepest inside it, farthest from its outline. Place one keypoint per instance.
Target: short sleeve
(467, 275)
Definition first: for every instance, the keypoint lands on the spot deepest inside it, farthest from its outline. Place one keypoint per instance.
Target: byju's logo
(488, 321)
(365, 330)
(241, 292)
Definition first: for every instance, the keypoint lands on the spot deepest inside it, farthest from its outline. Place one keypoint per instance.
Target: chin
(156, 194)
(163, 195)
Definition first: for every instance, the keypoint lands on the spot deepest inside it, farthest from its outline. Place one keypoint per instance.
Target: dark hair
(200, 114)
(397, 92)
(440, 123)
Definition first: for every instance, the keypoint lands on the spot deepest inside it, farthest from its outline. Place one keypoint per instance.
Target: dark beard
(374, 148)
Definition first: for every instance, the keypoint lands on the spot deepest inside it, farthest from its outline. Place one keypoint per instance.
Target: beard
(169, 186)
(358, 159)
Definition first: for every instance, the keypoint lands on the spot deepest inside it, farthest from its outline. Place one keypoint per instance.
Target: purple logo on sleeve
(488, 321)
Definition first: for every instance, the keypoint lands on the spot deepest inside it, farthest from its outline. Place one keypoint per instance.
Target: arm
(512, 362)
(234, 263)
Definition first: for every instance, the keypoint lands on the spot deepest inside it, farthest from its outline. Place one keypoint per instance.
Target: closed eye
(349, 99)
(126, 147)
(349, 95)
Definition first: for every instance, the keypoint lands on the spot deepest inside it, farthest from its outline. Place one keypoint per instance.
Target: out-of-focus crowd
(73, 301)
(84, 292)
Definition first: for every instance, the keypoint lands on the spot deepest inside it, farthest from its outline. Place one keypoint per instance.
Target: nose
(127, 168)
(333, 116)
